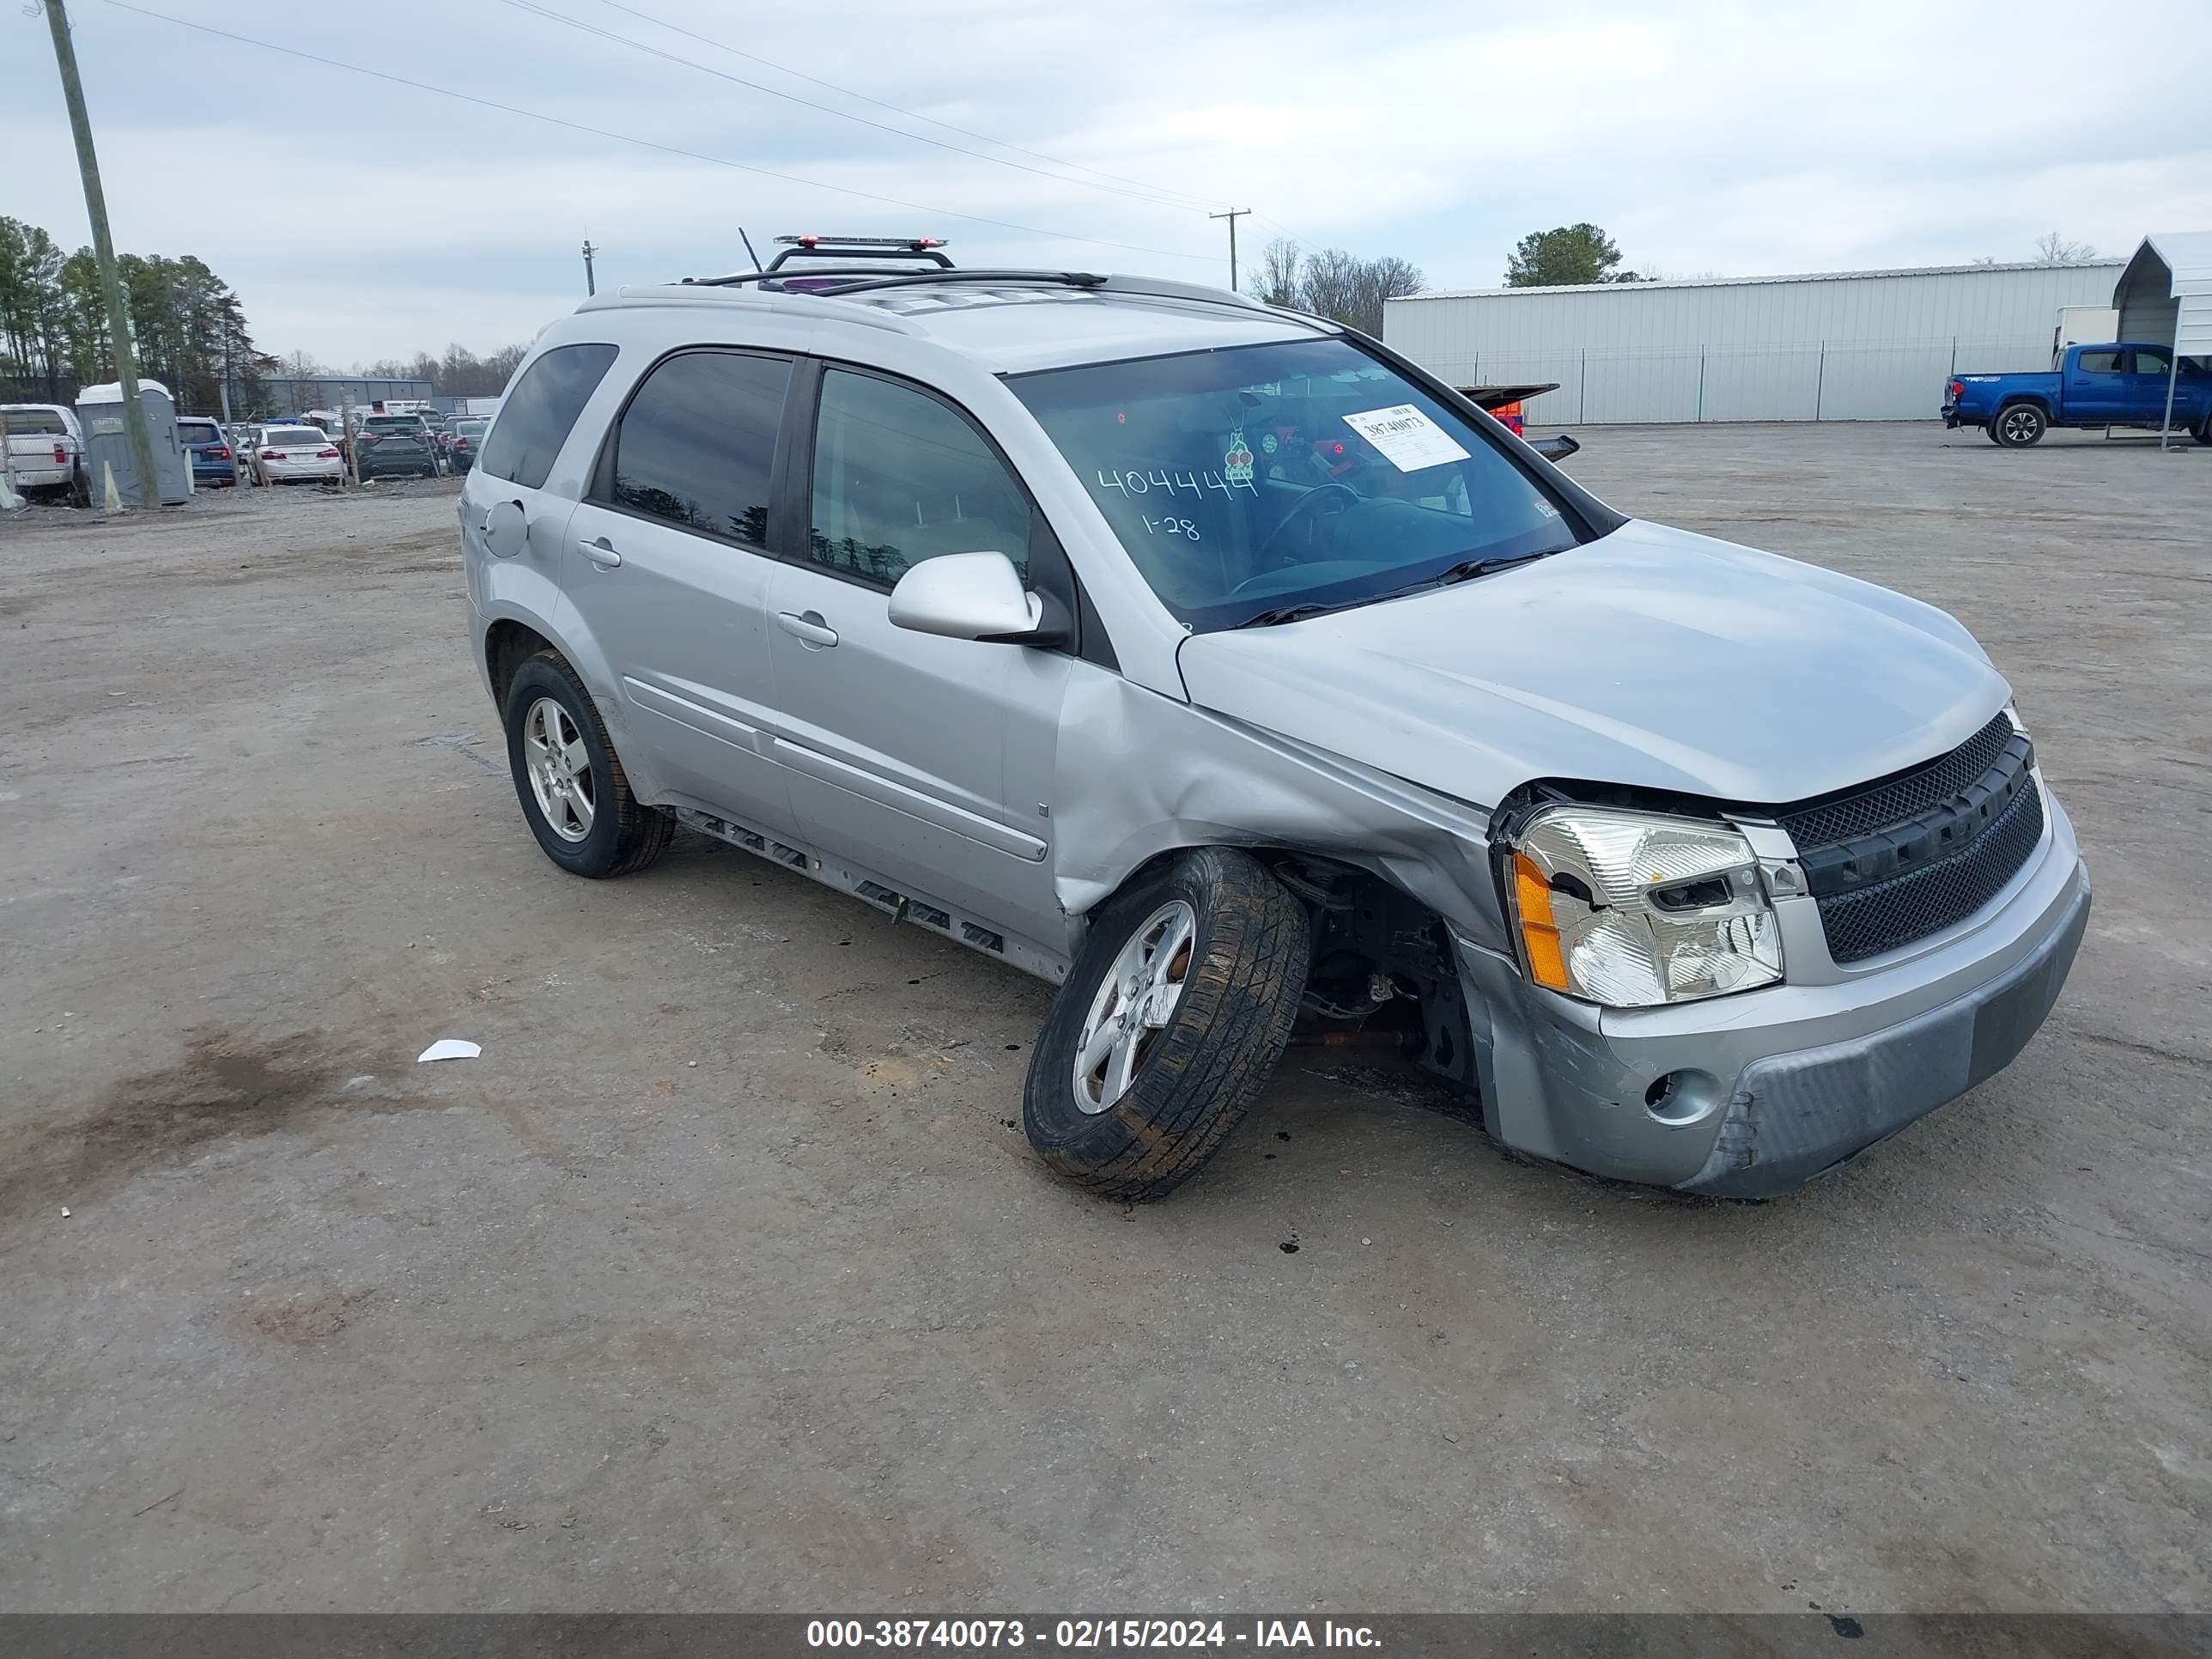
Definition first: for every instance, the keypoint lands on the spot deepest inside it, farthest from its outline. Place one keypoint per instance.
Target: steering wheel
(1304, 506)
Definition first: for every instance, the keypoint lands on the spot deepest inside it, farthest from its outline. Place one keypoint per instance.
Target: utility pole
(103, 251)
(1232, 215)
(591, 283)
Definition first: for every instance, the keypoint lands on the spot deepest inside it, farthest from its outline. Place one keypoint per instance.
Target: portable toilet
(107, 444)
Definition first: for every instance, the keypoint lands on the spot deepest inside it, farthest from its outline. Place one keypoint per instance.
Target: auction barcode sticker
(1410, 439)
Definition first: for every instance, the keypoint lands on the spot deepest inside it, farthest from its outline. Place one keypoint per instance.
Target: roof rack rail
(851, 282)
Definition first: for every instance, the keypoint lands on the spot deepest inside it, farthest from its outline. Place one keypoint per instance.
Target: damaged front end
(1630, 983)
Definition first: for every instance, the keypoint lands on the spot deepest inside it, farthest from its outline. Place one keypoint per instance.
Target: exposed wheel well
(507, 646)
(1369, 937)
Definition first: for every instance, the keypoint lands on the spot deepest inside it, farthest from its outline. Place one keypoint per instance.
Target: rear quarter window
(541, 407)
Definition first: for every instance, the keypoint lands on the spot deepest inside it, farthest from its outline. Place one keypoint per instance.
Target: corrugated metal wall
(2152, 317)
(1864, 346)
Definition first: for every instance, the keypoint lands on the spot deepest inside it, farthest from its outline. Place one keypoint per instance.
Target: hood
(1651, 657)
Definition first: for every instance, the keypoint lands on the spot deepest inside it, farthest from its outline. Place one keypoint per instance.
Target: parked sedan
(296, 454)
(208, 444)
(395, 452)
(468, 439)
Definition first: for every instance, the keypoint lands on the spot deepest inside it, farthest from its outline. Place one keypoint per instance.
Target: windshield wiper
(1291, 613)
(1465, 570)
(1468, 569)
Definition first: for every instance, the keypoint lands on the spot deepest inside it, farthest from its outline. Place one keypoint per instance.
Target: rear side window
(696, 446)
(534, 421)
(900, 478)
(2100, 362)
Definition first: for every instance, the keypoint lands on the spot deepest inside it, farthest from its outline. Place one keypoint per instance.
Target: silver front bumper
(1758, 1093)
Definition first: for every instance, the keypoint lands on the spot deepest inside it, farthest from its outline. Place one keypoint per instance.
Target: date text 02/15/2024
(1085, 1633)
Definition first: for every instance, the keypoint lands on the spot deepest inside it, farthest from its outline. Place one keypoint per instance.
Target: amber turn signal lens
(1540, 936)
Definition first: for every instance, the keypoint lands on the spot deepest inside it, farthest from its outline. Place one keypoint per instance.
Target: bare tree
(1347, 288)
(1388, 277)
(1329, 285)
(2053, 249)
(1276, 282)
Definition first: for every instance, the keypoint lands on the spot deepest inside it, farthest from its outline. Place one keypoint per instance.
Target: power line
(649, 143)
(899, 109)
(577, 23)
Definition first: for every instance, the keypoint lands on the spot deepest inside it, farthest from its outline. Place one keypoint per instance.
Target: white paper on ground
(450, 1048)
(1407, 437)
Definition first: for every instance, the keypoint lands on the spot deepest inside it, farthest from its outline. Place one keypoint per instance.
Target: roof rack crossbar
(870, 284)
(840, 280)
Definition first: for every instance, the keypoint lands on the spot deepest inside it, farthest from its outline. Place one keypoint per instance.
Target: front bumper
(1754, 1094)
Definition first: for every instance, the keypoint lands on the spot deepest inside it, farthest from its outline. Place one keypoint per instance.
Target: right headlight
(1632, 909)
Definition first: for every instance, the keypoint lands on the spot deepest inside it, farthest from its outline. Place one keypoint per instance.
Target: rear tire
(2018, 426)
(2204, 433)
(603, 829)
(1233, 945)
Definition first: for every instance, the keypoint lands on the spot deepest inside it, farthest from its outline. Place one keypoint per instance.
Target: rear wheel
(2018, 425)
(574, 793)
(1170, 1025)
(2204, 433)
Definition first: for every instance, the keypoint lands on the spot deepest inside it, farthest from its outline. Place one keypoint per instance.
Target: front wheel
(1169, 1024)
(574, 793)
(2018, 425)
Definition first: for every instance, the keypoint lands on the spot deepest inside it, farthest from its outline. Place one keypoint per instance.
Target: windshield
(1250, 480)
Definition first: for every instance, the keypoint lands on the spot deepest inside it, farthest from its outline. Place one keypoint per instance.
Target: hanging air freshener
(1237, 464)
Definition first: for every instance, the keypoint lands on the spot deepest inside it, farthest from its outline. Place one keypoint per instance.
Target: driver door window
(900, 478)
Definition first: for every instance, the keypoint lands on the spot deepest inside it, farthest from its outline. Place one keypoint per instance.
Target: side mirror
(506, 530)
(974, 596)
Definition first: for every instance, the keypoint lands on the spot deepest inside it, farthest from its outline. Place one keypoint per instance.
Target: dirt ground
(725, 1279)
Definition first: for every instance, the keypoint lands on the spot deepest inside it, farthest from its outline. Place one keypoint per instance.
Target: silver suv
(1231, 672)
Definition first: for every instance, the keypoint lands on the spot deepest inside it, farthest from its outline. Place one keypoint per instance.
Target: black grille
(1872, 919)
(1907, 795)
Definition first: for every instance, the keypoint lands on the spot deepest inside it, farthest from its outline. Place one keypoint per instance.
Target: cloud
(358, 218)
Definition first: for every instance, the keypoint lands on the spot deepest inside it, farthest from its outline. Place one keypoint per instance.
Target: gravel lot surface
(725, 1279)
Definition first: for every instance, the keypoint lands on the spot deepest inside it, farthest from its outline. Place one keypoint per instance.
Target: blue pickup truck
(2093, 385)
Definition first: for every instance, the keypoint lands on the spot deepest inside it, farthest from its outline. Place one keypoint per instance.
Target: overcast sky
(358, 218)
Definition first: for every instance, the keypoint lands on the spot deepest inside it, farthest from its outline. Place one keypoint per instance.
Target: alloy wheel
(560, 769)
(1133, 1005)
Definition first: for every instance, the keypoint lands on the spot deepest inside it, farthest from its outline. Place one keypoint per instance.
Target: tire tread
(1229, 1032)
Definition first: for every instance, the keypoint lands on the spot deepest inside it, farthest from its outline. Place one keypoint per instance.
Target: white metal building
(1863, 345)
